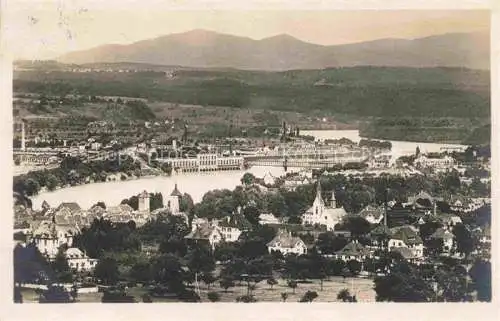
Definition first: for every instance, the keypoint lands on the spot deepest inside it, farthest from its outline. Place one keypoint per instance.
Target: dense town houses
(354, 229)
(436, 162)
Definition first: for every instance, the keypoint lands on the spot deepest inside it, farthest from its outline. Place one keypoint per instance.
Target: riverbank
(425, 130)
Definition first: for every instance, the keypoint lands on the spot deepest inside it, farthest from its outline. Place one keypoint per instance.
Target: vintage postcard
(286, 156)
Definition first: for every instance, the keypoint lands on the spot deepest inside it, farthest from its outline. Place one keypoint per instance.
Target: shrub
(213, 296)
(246, 299)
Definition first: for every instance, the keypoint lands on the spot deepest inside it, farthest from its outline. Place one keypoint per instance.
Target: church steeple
(319, 198)
(333, 203)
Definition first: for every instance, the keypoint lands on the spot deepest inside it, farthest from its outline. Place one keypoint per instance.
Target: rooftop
(285, 239)
(176, 192)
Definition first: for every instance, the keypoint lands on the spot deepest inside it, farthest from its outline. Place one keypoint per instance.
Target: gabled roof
(381, 230)
(202, 232)
(407, 235)
(405, 252)
(353, 249)
(449, 218)
(375, 211)
(96, 210)
(285, 240)
(73, 253)
(72, 206)
(176, 192)
(120, 209)
(441, 233)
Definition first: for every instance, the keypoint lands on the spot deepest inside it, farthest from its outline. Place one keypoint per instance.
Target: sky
(47, 29)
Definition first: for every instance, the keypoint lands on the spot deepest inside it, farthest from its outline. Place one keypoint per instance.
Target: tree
(208, 278)
(292, 284)
(213, 296)
(55, 294)
(354, 267)
(480, 273)
(226, 283)
(117, 295)
(358, 226)
(51, 182)
(284, 296)
(328, 243)
(74, 292)
(345, 296)
(107, 270)
(100, 204)
(309, 296)
(252, 214)
(186, 203)
(272, 282)
(403, 284)
(248, 179)
(246, 299)
(32, 187)
(146, 298)
(61, 267)
(463, 238)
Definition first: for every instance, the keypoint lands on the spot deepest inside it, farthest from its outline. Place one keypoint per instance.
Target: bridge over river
(310, 157)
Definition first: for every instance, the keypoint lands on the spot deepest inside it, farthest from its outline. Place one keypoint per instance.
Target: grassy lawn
(363, 288)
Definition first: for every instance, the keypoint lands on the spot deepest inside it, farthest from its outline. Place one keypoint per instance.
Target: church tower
(333, 202)
(319, 203)
(143, 202)
(173, 201)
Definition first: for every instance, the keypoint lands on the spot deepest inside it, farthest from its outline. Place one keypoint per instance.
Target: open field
(362, 288)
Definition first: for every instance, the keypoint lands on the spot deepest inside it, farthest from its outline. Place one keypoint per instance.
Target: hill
(207, 49)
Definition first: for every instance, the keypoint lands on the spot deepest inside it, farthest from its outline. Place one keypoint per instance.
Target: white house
(266, 219)
(48, 237)
(285, 243)
(373, 214)
(205, 233)
(79, 261)
(269, 179)
(232, 226)
(353, 251)
(450, 220)
(321, 214)
(406, 237)
(446, 236)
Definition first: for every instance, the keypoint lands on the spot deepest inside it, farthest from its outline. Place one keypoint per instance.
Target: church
(322, 214)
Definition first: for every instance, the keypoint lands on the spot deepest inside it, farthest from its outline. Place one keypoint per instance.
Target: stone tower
(143, 202)
(173, 201)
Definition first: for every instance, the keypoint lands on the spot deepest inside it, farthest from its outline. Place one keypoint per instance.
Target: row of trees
(73, 171)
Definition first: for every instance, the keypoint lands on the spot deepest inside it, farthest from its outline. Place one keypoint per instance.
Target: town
(356, 228)
(331, 156)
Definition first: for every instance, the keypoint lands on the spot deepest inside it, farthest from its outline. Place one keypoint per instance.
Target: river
(197, 184)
